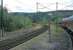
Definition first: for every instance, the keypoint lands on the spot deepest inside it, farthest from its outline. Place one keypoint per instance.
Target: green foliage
(27, 22)
(11, 23)
(43, 21)
(16, 22)
(57, 19)
(3, 17)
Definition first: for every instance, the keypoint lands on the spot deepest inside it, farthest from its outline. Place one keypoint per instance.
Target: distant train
(68, 21)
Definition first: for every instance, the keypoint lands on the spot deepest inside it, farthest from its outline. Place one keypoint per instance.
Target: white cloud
(30, 5)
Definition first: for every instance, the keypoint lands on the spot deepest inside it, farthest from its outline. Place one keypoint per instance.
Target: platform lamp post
(49, 25)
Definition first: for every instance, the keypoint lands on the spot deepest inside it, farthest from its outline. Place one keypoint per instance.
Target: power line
(43, 7)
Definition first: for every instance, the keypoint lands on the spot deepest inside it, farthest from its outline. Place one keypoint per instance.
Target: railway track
(10, 43)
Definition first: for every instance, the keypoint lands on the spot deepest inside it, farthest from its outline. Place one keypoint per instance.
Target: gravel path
(8, 35)
(60, 42)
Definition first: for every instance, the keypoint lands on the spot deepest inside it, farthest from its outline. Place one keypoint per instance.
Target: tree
(11, 23)
(3, 18)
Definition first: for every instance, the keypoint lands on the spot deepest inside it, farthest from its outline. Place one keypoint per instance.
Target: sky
(31, 6)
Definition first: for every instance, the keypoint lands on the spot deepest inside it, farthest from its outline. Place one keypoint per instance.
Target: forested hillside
(40, 15)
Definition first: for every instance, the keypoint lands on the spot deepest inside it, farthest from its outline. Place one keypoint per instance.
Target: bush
(18, 23)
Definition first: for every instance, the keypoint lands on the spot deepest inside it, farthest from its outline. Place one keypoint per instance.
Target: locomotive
(67, 25)
(68, 21)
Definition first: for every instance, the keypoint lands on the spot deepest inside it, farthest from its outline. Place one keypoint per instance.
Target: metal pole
(49, 31)
(37, 6)
(37, 9)
(1, 18)
(56, 6)
(49, 22)
(50, 40)
(56, 14)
